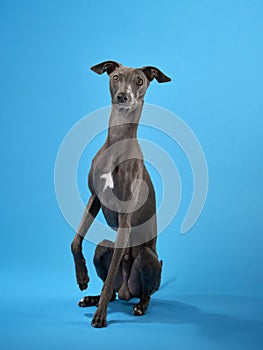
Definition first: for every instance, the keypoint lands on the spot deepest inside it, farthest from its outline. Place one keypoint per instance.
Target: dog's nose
(122, 97)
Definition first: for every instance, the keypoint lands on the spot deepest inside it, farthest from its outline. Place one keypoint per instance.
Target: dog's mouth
(126, 105)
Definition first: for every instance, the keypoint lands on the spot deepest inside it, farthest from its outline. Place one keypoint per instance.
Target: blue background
(212, 281)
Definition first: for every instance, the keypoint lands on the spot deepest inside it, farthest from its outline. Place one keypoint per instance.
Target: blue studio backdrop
(212, 290)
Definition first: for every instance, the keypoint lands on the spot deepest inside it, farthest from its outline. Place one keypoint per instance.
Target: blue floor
(183, 322)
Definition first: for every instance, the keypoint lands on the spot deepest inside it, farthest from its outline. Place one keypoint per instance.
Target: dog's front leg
(100, 317)
(90, 213)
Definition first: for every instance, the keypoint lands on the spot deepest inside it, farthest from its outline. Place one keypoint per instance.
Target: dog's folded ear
(155, 73)
(107, 66)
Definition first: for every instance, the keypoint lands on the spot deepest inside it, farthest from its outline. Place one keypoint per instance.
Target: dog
(120, 185)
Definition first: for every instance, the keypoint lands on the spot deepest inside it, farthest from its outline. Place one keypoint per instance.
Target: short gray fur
(127, 269)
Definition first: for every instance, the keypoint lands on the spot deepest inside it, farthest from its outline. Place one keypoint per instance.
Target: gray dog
(121, 186)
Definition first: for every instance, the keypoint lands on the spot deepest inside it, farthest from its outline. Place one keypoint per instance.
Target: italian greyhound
(120, 185)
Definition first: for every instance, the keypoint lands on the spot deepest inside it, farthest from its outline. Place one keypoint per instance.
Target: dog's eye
(139, 81)
(115, 77)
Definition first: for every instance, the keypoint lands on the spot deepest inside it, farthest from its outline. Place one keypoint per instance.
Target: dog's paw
(83, 285)
(139, 310)
(82, 278)
(99, 319)
(89, 301)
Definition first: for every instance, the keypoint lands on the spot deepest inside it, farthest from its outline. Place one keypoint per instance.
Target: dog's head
(128, 85)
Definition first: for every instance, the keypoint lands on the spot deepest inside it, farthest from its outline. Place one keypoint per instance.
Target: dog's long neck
(123, 123)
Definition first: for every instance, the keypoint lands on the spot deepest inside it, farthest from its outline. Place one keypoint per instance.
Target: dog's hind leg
(93, 300)
(140, 308)
(144, 279)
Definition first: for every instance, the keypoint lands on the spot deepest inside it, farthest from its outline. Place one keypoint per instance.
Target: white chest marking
(108, 181)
